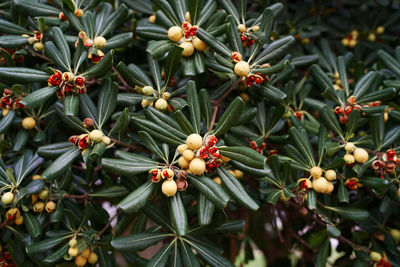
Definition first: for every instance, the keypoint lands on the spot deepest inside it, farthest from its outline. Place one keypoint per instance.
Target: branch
(108, 224)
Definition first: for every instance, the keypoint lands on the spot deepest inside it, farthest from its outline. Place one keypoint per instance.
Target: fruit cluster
(86, 255)
(6, 259)
(41, 201)
(13, 215)
(354, 154)
(160, 104)
(351, 39)
(319, 183)
(257, 78)
(379, 260)
(387, 163)
(186, 37)
(83, 141)
(353, 183)
(260, 149)
(68, 83)
(198, 156)
(245, 34)
(35, 40)
(95, 54)
(169, 186)
(10, 101)
(16, 58)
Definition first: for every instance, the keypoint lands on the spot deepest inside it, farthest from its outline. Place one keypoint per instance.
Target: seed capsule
(242, 68)
(92, 258)
(7, 198)
(241, 28)
(38, 207)
(360, 155)
(100, 42)
(50, 206)
(194, 141)
(349, 159)
(188, 154)
(316, 172)
(73, 243)
(148, 90)
(175, 33)
(320, 185)
(199, 44)
(28, 123)
(96, 136)
(349, 147)
(182, 148)
(197, 166)
(169, 188)
(161, 104)
(188, 49)
(183, 163)
(330, 175)
(80, 261)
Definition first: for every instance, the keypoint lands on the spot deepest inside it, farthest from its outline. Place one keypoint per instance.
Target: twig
(120, 77)
(219, 100)
(84, 196)
(124, 144)
(213, 117)
(43, 57)
(108, 224)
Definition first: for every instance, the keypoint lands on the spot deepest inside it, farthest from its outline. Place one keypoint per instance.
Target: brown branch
(219, 100)
(108, 224)
(213, 117)
(125, 144)
(84, 196)
(120, 77)
(43, 57)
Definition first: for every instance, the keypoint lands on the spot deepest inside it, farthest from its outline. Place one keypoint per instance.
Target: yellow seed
(242, 68)
(188, 48)
(188, 154)
(175, 33)
(169, 188)
(28, 123)
(197, 166)
(316, 172)
(194, 141)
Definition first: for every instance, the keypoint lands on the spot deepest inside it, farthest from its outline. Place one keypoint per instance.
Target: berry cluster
(245, 34)
(15, 58)
(387, 163)
(10, 101)
(319, 183)
(210, 154)
(68, 83)
(383, 263)
(354, 154)
(186, 37)
(260, 149)
(199, 156)
(353, 183)
(85, 256)
(344, 112)
(5, 259)
(95, 55)
(83, 141)
(41, 201)
(62, 16)
(257, 78)
(351, 39)
(14, 216)
(169, 186)
(189, 31)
